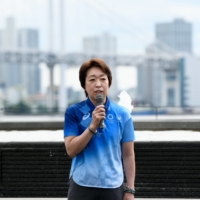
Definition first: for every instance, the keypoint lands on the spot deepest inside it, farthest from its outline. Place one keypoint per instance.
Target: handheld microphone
(99, 101)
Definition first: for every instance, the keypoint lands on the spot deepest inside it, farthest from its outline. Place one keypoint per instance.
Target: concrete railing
(155, 125)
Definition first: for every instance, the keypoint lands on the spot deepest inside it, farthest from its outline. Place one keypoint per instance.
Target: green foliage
(19, 108)
(41, 109)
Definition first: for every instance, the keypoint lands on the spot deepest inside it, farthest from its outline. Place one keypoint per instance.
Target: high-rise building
(177, 35)
(25, 75)
(104, 44)
(1, 39)
(8, 71)
(159, 77)
(189, 72)
(28, 39)
(9, 35)
(168, 79)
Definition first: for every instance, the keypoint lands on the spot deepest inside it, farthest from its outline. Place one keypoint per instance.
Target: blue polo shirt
(99, 164)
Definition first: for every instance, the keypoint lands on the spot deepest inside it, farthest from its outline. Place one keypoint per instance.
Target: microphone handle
(101, 124)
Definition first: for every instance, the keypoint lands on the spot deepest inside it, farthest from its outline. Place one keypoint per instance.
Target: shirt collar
(92, 107)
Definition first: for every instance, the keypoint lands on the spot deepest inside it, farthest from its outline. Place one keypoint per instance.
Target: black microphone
(99, 101)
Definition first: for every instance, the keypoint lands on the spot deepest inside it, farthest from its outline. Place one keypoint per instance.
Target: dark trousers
(77, 192)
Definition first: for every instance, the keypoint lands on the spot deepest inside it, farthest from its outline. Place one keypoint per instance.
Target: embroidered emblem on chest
(110, 118)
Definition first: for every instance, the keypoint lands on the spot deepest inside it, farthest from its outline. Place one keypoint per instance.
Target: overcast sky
(131, 21)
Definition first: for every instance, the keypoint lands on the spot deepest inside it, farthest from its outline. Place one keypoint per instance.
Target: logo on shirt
(86, 116)
(110, 116)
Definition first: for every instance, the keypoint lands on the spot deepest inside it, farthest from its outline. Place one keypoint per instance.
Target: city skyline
(103, 40)
(132, 22)
(26, 39)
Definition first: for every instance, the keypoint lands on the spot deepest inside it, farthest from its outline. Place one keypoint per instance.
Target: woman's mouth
(98, 92)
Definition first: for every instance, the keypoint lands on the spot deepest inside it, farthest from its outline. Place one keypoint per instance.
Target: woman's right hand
(97, 115)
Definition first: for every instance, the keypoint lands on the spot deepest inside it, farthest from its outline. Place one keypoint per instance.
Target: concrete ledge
(160, 125)
(156, 125)
(40, 125)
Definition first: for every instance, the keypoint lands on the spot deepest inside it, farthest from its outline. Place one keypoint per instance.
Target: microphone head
(99, 99)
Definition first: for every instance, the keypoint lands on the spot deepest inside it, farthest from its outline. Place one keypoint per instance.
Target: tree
(19, 108)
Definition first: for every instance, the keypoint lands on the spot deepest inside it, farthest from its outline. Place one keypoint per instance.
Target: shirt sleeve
(70, 123)
(128, 132)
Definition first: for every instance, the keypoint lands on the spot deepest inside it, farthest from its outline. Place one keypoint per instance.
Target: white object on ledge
(125, 100)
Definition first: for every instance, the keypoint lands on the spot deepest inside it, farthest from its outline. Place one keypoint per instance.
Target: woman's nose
(98, 83)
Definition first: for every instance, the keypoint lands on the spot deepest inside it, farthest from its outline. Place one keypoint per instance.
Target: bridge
(76, 59)
(71, 59)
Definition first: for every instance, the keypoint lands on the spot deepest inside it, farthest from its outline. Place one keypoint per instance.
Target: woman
(96, 169)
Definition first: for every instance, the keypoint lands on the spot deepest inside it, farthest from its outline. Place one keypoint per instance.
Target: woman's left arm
(128, 156)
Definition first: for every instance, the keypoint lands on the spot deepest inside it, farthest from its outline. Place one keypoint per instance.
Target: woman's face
(96, 82)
